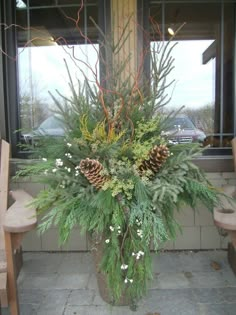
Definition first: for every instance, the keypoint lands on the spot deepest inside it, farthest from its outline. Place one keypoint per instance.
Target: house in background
(38, 35)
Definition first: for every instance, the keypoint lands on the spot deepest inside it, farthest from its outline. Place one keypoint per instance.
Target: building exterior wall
(198, 229)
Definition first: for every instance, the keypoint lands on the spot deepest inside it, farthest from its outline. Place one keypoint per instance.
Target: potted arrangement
(116, 174)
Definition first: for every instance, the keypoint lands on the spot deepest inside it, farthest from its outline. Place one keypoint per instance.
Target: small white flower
(69, 144)
(76, 173)
(107, 241)
(119, 232)
(62, 186)
(44, 159)
(140, 233)
(124, 266)
(127, 279)
(46, 172)
(138, 255)
(54, 170)
(68, 155)
(112, 228)
(68, 170)
(77, 167)
(59, 162)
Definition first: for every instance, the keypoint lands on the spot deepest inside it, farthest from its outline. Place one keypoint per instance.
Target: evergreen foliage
(118, 126)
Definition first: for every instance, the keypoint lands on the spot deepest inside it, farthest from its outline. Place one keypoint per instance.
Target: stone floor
(200, 283)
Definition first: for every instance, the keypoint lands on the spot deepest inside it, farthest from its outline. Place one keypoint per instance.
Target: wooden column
(123, 12)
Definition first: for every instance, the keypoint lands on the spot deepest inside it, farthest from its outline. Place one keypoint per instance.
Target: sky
(42, 68)
(194, 82)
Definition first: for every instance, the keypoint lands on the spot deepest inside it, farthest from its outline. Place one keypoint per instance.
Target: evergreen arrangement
(115, 173)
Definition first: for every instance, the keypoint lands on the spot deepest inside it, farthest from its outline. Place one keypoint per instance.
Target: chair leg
(11, 276)
(18, 260)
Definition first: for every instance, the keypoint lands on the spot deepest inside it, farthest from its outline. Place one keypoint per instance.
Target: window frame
(9, 114)
(216, 153)
(8, 83)
(9, 104)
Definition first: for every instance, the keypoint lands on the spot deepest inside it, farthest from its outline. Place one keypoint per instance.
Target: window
(204, 65)
(44, 43)
(52, 53)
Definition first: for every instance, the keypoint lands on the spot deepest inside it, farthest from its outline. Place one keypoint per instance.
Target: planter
(97, 252)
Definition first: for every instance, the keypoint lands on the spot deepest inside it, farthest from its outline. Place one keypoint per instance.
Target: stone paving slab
(185, 283)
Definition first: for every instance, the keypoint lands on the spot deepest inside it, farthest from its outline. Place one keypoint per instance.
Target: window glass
(203, 63)
(50, 49)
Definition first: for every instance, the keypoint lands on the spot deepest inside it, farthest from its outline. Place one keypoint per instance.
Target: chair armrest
(19, 217)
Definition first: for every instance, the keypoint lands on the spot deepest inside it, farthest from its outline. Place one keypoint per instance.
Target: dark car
(51, 126)
(182, 130)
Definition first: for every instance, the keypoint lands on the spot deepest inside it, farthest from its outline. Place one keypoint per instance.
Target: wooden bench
(225, 215)
(15, 221)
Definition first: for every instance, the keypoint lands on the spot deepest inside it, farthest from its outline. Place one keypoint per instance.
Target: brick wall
(198, 230)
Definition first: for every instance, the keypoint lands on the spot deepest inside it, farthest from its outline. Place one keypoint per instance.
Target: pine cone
(92, 171)
(157, 157)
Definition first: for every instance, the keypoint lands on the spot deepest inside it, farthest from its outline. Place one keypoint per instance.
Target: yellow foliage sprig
(99, 133)
(86, 134)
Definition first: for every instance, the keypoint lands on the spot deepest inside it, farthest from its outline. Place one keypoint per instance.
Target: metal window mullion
(86, 48)
(163, 19)
(58, 5)
(221, 74)
(2, 100)
(234, 72)
(10, 78)
(154, 2)
(29, 37)
(85, 24)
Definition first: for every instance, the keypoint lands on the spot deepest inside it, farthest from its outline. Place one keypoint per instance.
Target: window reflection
(42, 70)
(203, 65)
(194, 86)
(51, 51)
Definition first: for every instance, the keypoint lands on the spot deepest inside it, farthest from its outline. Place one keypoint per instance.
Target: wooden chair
(15, 221)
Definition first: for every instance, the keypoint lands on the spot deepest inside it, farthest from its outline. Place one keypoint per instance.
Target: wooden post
(11, 276)
(123, 12)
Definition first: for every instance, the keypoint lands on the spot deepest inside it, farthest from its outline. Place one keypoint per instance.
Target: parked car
(182, 130)
(51, 126)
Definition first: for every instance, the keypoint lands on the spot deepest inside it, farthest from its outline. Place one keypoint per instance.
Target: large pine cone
(92, 171)
(157, 157)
